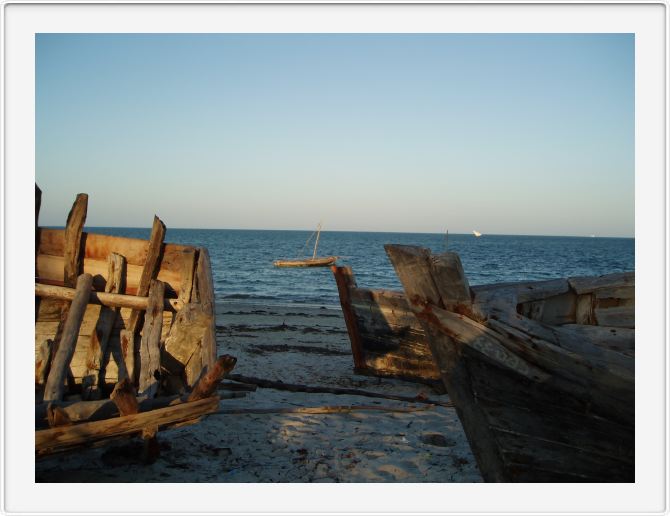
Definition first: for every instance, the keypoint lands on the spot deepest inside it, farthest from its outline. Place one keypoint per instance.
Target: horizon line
(349, 231)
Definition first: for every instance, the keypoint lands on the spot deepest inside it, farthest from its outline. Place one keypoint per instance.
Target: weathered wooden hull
(386, 338)
(538, 402)
(188, 347)
(324, 261)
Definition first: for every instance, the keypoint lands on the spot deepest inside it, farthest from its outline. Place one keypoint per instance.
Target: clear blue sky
(512, 134)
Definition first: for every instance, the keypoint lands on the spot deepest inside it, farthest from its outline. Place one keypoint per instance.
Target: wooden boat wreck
(322, 261)
(124, 335)
(386, 338)
(541, 373)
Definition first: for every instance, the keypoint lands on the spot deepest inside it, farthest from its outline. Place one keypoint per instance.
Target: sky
(503, 133)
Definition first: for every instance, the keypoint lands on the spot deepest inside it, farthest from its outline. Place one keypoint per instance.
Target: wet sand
(302, 345)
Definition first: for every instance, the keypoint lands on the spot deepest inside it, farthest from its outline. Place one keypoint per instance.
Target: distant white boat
(476, 233)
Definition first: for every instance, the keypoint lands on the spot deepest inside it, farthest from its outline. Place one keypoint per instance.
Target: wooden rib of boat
(541, 373)
(121, 317)
(386, 338)
(322, 261)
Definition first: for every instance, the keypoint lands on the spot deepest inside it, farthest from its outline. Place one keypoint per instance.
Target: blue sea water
(243, 271)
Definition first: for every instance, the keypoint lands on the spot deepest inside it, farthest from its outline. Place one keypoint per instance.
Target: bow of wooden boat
(539, 402)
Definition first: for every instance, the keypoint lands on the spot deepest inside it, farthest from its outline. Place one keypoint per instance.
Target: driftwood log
(94, 377)
(68, 437)
(208, 382)
(336, 409)
(108, 299)
(55, 385)
(292, 387)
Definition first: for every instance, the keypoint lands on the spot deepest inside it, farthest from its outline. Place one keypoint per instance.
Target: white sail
(476, 233)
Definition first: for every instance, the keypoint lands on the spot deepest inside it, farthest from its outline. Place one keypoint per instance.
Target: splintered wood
(126, 313)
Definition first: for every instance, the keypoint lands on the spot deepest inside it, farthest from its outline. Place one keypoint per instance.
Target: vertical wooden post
(72, 250)
(344, 278)
(94, 376)
(205, 286)
(129, 342)
(150, 355)
(38, 204)
(187, 275)
(55, 388)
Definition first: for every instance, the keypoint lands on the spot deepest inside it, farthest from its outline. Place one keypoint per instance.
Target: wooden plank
(54, 388)
(99, 247)
(451, 282)
(586, 285)
(619, 293)
(345, 281)
(42, 361)
(412, 266)
(50, 271)
(584, 311)
(617, 316)
(560, 309)
(108, 299)
(621, 340)
(130, 346)
(94, 376)
(527, 291)
(187, 275)
(150, 344)
(72, 246)
(86, 434)
(188, 329)
(205, 289)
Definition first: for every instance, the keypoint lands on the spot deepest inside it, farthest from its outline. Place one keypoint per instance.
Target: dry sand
(305, 345)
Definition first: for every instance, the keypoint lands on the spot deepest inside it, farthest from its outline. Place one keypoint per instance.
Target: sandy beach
(300, 345)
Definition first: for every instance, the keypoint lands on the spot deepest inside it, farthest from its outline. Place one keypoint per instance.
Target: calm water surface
(242, 259)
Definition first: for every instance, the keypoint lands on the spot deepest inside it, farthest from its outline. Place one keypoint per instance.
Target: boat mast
(318, 232)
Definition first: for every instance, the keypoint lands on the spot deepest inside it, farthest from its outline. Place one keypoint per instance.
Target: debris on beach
(124, 336)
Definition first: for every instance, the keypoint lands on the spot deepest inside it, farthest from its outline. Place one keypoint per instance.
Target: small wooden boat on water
(124, 335)
(322, 261)
(541, 373)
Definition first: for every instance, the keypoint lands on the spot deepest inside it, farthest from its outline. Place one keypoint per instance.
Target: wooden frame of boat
(386, 338)
(543, 399)
(121, 323)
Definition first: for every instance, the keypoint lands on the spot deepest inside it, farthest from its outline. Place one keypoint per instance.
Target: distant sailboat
(322, 261)
(476, 233)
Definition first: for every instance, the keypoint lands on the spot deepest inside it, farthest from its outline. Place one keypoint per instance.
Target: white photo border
(647, 20)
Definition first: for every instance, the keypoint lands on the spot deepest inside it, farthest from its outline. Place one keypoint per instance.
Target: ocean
(243, 272)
